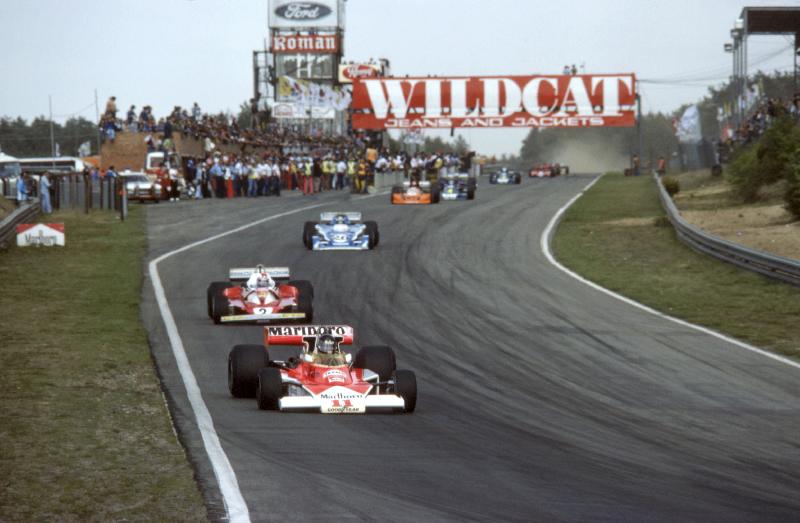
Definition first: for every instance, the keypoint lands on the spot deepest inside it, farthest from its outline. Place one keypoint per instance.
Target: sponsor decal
(334, 375)
(308, 330)
(338, 395)
(305, 43)
(486, 102)
(302, 11)
(349, 72)
(40, 234)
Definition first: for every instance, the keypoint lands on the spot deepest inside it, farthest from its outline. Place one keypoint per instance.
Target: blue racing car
(459, 186)
(341, 231)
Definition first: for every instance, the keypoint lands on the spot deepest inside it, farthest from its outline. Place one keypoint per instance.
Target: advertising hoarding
(495, 101)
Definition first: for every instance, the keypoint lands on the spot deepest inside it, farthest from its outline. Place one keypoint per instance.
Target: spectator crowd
(294, 160)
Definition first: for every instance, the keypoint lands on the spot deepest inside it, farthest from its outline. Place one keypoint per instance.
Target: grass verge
(617, 236)
(84, 431)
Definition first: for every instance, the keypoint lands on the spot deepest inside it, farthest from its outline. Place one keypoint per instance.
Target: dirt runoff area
(709, 203)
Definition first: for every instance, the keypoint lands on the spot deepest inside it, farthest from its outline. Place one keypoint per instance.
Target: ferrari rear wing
(328, 216)
(423, 184)
(302, 334)
(242, 273)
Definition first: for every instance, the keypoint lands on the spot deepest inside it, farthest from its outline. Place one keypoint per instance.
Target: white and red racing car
(320, 377)
(285, 301)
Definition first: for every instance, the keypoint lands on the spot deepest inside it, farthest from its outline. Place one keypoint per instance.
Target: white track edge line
(235, 505)
(545, 246)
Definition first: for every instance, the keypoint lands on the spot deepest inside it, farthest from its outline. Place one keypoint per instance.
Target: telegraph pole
(52, 134)
(97, 118)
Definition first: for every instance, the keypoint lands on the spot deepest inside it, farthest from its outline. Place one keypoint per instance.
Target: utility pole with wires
(97, 118)
(52, 133)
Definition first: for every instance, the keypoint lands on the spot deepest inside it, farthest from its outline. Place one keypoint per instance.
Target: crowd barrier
(776, 267)
(23, 214)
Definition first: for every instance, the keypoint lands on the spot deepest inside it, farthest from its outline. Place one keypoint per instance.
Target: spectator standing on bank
(44, 194)
(22, 189)
(308, 177)
(661, 166)
(130, 120)
(316, 171)
(341, 170)
(111, 108)
(636, 165)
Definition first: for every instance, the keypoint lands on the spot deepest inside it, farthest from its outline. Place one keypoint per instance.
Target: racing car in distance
(415, 192)
(547, 170)
(342, 231)
(505, 177)
(320, 377)
(285, 302)
(459, 186)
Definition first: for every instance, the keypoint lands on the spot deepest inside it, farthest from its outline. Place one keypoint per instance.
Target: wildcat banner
(495, 101)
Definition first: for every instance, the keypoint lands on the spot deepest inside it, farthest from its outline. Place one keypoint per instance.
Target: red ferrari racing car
(320, 378)
(253, 295)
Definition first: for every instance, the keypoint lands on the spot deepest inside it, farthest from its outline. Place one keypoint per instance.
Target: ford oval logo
(303, 11)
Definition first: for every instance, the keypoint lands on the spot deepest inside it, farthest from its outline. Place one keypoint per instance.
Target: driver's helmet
(326, 344)
(264, 279)
(504, 169)
(340, 219)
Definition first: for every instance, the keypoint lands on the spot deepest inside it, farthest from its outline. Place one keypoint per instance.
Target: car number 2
(261, 310)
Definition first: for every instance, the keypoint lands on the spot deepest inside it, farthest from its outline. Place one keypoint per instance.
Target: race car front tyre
(269, 388)
(244, 362)
(380, 359)
(493, 179)
(215, 289)
(435, 193)
(372, 232)
(308, 231)
(219, 307)
(405, 386)
(304, 287)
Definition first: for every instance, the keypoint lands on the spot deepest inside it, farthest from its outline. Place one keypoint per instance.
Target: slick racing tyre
(405, 386)
(244, 362)
(518, 179)
(308, 231)
(215, 289)
(304, 300)
(303, 287)
(493, 178)
(269, 388)
(219, 307)
(471, 193)
(435, 193)
(377, 358)
(372, 232)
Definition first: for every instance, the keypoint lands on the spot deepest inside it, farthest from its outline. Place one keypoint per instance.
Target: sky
(175, 52)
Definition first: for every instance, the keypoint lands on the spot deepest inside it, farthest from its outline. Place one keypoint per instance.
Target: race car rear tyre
(405, 386)
(518, 179)
(308, 231)
(493, 179)
(214, 289)
(379, 359)
(435, 193)
(219, 307)
(303, 287)
(471, 193)
(244, 362)
(372, 232)
(269, 388)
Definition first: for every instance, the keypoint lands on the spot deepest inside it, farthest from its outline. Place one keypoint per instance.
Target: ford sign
(302, 11)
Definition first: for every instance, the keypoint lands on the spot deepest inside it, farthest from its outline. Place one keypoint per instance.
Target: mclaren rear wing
(302, 334)
(242, 273)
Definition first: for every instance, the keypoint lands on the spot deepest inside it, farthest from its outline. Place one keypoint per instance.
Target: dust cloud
(588, 156)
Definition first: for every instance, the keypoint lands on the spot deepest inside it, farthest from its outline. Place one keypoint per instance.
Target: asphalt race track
(540, 398)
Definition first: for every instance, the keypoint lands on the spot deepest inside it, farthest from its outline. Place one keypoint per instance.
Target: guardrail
(8, 227)
(776, 267)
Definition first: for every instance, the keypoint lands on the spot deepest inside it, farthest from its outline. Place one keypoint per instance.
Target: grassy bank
(84, 431)
(618, 236)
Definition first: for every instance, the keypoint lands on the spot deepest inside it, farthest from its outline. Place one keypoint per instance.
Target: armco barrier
(777, 267)
(23, 214)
